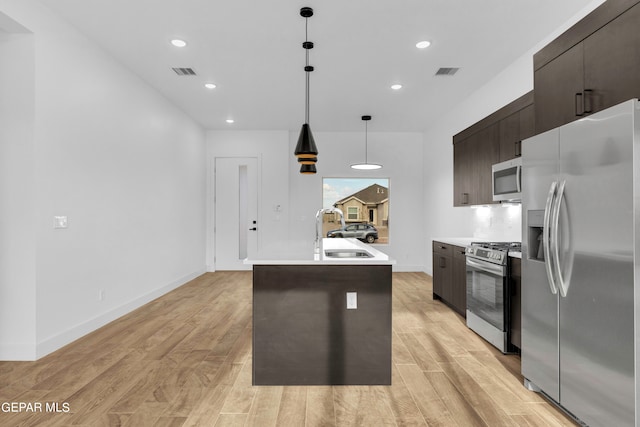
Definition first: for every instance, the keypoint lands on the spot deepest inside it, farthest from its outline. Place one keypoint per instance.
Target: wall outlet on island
(352, 300)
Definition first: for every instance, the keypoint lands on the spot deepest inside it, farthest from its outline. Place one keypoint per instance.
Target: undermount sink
(347, 253)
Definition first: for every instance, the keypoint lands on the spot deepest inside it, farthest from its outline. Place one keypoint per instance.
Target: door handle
(588, 97)
(563, 286)
(579, 104)
(253, 229)
(519, 178)
(546, 232)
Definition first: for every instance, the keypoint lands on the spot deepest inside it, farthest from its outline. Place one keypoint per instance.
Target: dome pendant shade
(306, 146)
(366, 166)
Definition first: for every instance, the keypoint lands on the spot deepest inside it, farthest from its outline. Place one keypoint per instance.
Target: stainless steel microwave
(506, 180)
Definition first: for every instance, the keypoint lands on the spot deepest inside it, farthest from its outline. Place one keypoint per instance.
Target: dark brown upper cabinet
(557, 86)
(592, 66)
(494, 139)
(612, 61)
(510, 137)
(464, 170)
(472, 161)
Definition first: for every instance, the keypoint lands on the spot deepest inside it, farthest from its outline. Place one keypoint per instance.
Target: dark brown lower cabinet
(450, 276)
(459, 301)
(516, 292)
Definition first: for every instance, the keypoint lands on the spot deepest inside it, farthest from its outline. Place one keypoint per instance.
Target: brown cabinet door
(463, 171)
(509, 137)
(459, 301)
(487, 154)
(442, 277)
(441, 252)
(527, 125)
(555, 88)
(612, 62)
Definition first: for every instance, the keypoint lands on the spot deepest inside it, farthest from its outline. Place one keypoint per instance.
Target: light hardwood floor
(185, 360)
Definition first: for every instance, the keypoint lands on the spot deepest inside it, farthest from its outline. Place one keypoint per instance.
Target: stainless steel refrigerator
(580, 265)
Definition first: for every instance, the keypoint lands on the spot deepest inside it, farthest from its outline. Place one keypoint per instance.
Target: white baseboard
(18, 352)
(58, 341)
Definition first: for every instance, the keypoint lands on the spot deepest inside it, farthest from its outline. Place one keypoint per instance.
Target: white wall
(127, 168)
(17, 194)
(271, 148)
(300, 196)
(402, 159)
(442, 219)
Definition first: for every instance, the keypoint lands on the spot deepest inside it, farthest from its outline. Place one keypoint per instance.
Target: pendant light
(306, 150)
(366, 165)
(308, 169)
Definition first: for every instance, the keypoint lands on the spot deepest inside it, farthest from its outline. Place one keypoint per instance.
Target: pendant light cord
(306, 39)
(366, 142)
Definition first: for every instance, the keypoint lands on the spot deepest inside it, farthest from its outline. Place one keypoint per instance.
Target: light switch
(352, 300)
(59, 222)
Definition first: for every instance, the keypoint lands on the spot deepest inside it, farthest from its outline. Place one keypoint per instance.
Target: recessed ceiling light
(396, 86)
(209, 85)
(423, 44)
(230, 121)
(178, 43)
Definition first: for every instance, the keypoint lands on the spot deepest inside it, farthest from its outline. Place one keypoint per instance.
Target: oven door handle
(496, 270)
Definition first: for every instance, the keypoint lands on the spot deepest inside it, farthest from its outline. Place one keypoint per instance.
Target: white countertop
(303, 254)
(458, 241)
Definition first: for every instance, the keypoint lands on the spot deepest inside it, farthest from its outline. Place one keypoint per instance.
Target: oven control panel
(493, 255)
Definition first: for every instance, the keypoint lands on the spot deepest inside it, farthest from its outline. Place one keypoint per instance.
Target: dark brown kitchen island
(306, 330)
(303, 333)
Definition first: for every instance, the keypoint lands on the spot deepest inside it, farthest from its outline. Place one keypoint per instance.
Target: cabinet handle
(465, 198)
(518, 149)
(579, 104)
(443, 262)
(588, 97)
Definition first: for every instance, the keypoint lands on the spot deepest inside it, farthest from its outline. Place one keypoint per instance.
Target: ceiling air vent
(444, 71)
(184, 71)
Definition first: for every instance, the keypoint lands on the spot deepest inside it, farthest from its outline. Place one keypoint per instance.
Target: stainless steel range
(488, 291)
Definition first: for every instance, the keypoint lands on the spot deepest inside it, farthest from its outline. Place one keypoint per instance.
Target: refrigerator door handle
(563, 286)
(546, 233)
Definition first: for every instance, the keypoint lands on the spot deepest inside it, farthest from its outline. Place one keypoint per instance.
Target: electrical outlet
(352, 300)
(60, 222)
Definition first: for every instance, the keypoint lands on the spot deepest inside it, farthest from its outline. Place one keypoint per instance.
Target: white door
(236, 211)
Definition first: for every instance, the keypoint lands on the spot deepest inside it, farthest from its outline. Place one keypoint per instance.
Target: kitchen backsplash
(498, 222)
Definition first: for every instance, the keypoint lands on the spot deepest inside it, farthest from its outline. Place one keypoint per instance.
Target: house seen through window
(365, 204)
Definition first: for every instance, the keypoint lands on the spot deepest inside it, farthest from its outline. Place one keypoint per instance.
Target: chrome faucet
(317, 247)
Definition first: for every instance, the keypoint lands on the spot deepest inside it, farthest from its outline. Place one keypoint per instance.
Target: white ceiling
(252, 51)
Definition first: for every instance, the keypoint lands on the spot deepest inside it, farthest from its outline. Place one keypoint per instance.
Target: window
(352, 213)
(362, 200)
